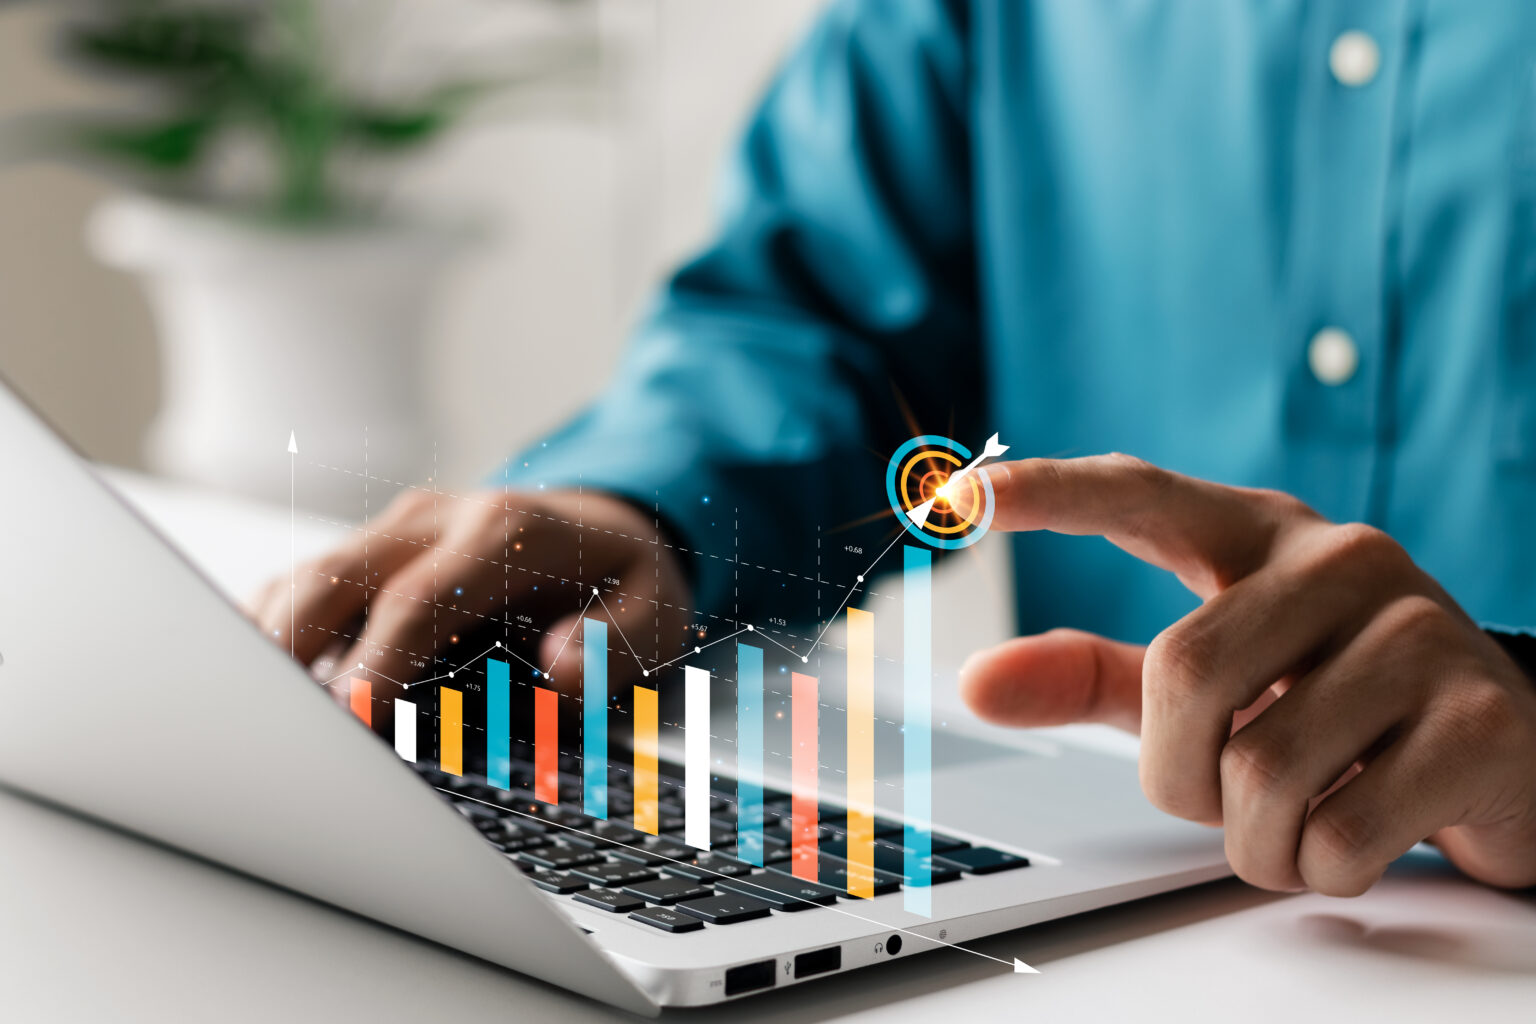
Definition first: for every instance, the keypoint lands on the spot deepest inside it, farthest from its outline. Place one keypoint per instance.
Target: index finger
(1209, 535)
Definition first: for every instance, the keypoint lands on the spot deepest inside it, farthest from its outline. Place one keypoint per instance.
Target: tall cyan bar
(498, 723)
(917, 726)
(594, 718)
(749, 754)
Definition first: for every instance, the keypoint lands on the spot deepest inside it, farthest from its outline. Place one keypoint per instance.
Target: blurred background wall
(587, 208)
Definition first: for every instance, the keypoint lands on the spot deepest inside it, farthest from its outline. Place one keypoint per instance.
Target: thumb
(1056, 678)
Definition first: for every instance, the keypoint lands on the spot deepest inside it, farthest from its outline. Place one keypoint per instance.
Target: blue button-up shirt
(1100, 225)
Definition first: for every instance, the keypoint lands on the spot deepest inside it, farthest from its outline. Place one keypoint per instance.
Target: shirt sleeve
(833, 315)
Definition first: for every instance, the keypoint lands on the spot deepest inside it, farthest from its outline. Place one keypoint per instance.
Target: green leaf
(414, 125)
(173, 145)
(162, 42)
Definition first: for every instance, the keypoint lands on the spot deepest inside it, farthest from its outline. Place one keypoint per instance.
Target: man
(1284, 245)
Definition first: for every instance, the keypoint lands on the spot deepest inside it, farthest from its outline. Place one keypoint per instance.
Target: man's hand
(434, 571)
(1328, 704)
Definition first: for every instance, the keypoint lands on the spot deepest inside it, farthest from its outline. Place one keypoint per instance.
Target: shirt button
(1354, 58)
(1333, 356)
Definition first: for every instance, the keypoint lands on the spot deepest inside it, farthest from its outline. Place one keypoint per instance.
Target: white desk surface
(95, 925)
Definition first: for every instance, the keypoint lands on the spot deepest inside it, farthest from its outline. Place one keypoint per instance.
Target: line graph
(920, 478)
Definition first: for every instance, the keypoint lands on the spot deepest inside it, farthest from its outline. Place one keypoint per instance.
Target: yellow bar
(646, 747)
(861, 753)
(450, 736)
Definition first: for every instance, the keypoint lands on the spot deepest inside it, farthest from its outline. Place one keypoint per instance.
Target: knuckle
(1254, 763)
(1417, 617)
(338, 566)
(1336, 850)
(1178, 664)
(1480, 716)
(1176, 793)
(1283, 505)
(1359, 544)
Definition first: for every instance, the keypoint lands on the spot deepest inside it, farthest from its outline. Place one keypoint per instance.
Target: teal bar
(498, 724)
(917, 726)
(749, 754)
(594, 718)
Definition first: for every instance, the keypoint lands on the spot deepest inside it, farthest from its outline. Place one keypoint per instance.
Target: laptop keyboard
(675, 888)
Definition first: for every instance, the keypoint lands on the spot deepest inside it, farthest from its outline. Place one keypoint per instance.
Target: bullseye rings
(914, 475)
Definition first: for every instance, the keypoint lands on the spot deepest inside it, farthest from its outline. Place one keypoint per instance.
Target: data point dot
(750, 627)
(861, 579)
(805, 660)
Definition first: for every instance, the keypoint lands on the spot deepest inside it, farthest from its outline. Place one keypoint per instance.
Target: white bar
(696, 757)
(405, 729)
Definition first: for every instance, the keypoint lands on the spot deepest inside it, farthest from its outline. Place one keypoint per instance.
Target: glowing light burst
(922, 481)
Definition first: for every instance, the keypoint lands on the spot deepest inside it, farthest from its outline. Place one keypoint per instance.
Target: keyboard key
(555, 881)
(892, 860)
(781, 891)
(718, 835)
(667, 920)
(726, 909)
(710, 866)
(617, 832)
(520, 844)
(667, 891)
(670, 848)
(559, 858)
(610, 900)
(982, 860)
(612, 875)
(938, 842)
(834, 873)
(771, 854)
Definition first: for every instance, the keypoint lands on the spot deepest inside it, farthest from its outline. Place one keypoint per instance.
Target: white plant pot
(266, 329)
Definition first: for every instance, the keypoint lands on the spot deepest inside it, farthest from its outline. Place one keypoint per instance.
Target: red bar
(546, 745)
(362, 700)
(803, 813)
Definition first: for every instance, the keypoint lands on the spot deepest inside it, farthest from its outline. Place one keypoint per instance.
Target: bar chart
(510, 720)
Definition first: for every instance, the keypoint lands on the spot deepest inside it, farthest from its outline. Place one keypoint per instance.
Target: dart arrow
(919, 514)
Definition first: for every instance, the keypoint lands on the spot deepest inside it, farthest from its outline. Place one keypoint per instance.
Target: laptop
(136, 695)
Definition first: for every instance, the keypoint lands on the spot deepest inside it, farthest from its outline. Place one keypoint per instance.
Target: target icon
(921, 481)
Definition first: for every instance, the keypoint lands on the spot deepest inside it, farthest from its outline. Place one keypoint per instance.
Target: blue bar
(498, 724)
(594, 718)
(917, 726)
(749, 754)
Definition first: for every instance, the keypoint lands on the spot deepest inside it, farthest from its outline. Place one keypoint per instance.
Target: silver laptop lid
(132, 692)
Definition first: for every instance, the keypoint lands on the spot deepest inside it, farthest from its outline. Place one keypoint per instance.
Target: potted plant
(288, 294)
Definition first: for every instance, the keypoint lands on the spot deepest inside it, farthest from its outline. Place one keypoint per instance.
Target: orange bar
(450, 731)
(647, 817)
(362, 700)
(803, 814)
(546, 745)
(861, 753)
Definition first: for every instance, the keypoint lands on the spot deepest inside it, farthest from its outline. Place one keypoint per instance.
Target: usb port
(818, 962)
(750, 977)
